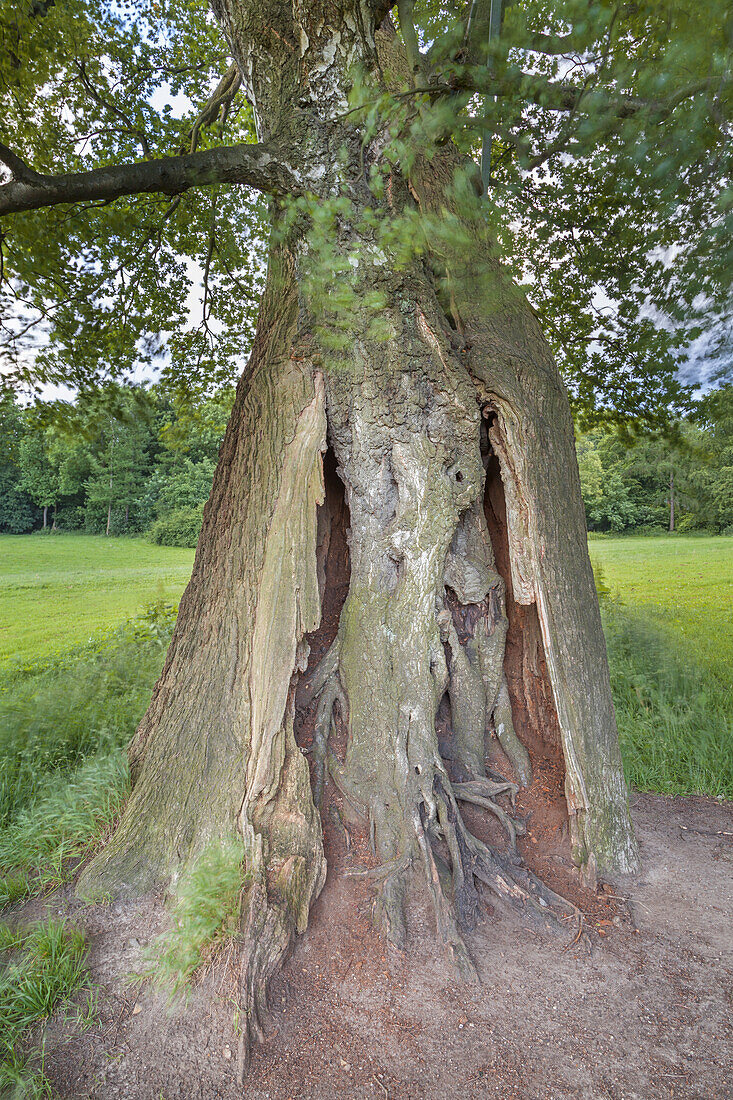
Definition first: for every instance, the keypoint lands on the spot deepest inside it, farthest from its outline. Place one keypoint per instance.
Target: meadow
(683, 584)
(667, 607)
(86, 622)
(58, 591)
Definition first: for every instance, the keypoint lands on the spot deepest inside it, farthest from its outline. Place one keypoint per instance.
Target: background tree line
(119, 461)
(132, 460)
(680, 481)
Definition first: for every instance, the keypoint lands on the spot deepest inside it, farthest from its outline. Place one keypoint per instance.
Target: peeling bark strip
(415, 417)
(288, 603)
(198, 772)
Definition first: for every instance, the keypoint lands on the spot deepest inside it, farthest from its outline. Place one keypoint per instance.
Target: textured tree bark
(446, 406)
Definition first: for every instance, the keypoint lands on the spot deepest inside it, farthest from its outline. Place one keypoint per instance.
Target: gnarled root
(418, 822)
(503, 873)
(476, 793)
(455, 864)
(514, 750)
(473, 628)
(393, 775)
(445, 910)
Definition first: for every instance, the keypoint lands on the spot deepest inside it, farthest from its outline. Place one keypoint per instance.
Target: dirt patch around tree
(640, 1006)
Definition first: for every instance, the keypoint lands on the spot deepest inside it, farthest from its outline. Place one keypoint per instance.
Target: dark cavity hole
(530, 689)
(333, 562)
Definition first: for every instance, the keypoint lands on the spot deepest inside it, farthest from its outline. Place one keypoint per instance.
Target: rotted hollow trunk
(417, 672)
(466, 605)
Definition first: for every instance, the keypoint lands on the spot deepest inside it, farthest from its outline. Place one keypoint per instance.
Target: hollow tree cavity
(421, 600)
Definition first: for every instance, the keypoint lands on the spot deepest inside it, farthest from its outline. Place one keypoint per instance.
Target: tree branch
(476, 40)
(409, 37)
(18, 167)
(263, 167)
(221, 97)
(555, 96)
(112, 108)
(553, 44)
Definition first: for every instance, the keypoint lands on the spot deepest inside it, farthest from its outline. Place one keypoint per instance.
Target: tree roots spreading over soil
(411, 656)
(638, 1006)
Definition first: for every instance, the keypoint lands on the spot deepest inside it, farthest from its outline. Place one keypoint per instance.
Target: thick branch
(262, 167)
(555, 96)
(409, 37)
(221, 97)
(478, 31)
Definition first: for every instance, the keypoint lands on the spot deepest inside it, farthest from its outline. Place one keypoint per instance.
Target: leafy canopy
(604, 129)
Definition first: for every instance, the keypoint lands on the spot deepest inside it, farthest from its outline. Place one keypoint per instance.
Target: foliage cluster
(63, 732)
(43, 966)
(179, 528)
(108, 286)
(628, 485)
(117, 461)
(603, 128)
(123, 461)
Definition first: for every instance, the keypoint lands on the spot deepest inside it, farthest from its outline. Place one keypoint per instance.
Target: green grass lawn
(683, 583)
(58, 591)
(667, 606)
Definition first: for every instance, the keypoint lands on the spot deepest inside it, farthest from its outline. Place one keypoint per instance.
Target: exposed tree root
(445, 912)
(512, 827)
(406, 797)
(454, 861)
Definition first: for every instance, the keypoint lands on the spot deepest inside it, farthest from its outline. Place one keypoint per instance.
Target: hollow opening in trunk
(334, 574)
(546, 846)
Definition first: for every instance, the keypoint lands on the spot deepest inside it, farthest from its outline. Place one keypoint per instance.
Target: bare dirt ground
(640, 1007)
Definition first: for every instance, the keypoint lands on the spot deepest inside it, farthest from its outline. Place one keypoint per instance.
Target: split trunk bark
(453, 440)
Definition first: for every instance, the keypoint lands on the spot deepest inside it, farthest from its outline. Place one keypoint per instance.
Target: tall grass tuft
(63, 731)
(45, 967)
(206, 914)
(674, 714)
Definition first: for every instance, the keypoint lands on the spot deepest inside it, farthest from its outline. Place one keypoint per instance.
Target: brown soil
(637, 1008)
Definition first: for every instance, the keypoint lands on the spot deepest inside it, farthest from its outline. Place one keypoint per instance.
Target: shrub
(18, 513)
(180, 528)
(186, 486)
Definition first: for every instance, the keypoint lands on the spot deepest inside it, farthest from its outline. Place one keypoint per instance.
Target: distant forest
(120, 461)
(124, 461)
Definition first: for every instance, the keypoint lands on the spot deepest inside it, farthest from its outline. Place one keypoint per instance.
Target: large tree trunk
(469, 601)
